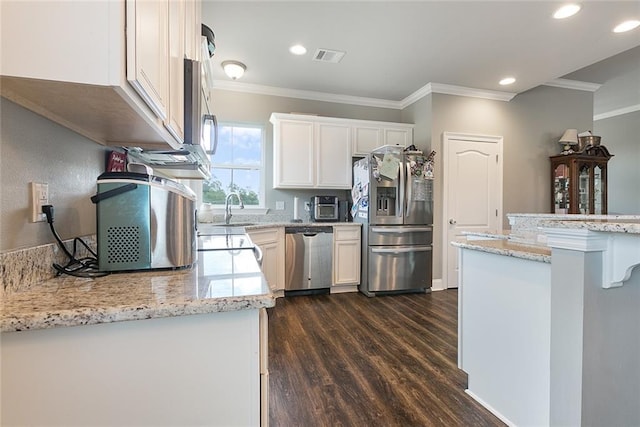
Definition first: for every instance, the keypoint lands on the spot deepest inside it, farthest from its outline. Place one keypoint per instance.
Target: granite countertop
(505, 247)
(611, 225)
(222, 280)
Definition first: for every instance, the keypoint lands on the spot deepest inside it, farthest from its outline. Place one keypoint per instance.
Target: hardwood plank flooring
(350, 360)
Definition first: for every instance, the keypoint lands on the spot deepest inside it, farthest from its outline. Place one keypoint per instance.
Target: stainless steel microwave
(200, 126)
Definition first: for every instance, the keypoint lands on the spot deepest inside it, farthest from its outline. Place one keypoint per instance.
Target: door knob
(452, 221)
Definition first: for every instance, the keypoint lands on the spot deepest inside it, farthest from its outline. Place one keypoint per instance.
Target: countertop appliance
(324, 208)
(308, 258)
(144, 222)
(393, 199)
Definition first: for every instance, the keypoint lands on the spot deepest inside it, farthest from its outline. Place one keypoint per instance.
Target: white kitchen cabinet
(201, 369)
(368, 136)
(333, 155)
(346, 258)
(81, 79)
(293, 154)
(148, 52)
(310, 152)
(271, 243)
(177, 53)
(193, 29)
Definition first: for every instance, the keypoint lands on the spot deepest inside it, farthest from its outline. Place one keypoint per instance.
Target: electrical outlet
(279, 205)
(307, 206)
(39, 198)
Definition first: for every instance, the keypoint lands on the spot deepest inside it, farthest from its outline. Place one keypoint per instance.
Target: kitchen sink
(207, 229)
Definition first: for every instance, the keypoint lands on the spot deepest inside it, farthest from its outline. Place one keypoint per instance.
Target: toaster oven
(324, 208)
(144, 222)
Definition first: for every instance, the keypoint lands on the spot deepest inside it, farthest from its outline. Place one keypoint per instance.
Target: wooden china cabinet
(579, 182)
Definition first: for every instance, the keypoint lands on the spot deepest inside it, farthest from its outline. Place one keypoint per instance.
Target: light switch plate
(280, 205)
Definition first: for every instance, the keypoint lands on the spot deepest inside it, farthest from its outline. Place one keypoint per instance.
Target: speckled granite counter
(502, 246)
(218, 283)
(611, 225)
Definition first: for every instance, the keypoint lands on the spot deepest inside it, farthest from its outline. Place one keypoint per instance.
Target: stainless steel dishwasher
(308, 257)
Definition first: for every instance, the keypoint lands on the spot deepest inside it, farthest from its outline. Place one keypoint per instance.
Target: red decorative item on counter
(116, 162)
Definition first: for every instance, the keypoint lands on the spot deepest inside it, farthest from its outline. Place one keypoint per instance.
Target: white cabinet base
(188, 370)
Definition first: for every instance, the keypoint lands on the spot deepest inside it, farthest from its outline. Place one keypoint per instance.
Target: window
(237, 166)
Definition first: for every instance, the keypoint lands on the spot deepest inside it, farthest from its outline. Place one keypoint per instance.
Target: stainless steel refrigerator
(393, 199)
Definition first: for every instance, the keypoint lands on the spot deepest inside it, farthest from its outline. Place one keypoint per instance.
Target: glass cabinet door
(561, 189)
(597, 190)
(583, 189)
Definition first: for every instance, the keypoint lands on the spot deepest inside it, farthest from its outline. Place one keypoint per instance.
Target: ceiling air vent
(327, 55)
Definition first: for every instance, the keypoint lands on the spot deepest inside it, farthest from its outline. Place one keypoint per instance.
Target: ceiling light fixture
(627, 26)
(507, 81)
(298, 49)
(566, 11)
(233, 69)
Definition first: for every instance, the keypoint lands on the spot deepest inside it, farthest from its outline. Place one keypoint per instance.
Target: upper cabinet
(315, 151)
(111, 70)
(368, 136)
(310, 152)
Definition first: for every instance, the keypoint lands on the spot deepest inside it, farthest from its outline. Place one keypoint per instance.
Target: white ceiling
(395, 48)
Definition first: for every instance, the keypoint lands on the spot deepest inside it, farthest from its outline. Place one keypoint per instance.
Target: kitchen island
(184, 347)
(549, 330)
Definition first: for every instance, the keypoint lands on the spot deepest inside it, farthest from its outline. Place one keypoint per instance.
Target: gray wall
(621, 135)
(531, 124)
(33, 148)
(252, 108)
(420, 113)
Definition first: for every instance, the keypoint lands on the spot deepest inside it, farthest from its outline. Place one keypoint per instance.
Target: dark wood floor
(350, 360)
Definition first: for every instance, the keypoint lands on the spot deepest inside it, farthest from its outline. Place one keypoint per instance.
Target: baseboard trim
(437, 285)
(490, 408)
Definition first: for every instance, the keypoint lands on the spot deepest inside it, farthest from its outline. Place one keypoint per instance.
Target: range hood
(187, 162)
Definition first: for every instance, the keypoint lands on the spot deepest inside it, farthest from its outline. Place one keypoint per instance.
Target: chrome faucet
(227, 206)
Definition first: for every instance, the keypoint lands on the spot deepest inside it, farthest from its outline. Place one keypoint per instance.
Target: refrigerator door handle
(400, 230)
(401, 193)
(408, 193)
(401, 250)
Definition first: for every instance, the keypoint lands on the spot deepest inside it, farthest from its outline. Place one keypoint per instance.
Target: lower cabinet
(201, 369)
(346, 258)
(271, 243)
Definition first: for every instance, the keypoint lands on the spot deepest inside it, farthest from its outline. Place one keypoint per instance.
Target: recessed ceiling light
(566, 11)
(507, 81)
(298, 49)
(627, 26)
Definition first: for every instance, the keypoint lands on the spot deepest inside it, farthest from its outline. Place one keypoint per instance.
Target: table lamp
(568, 139)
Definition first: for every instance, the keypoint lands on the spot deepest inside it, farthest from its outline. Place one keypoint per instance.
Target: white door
(472, 190)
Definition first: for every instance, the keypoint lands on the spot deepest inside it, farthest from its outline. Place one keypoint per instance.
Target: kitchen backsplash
(23, 268)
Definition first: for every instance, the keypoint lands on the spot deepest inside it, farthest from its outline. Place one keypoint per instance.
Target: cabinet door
(333, 156)
(192, 29)
(271, 243)
(346, 255)
(346, 268)
(366, 139)
(402, 137)
(148, 52)
(293, 154)
(175, 121)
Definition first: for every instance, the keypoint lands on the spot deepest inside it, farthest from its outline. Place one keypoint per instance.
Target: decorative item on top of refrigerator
(393, 186)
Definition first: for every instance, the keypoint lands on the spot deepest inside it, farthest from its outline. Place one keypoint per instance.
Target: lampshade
(569, 138)
(235, 70)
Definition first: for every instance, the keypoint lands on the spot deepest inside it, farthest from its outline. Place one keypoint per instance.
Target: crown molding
(306, 94)
(425, 90)
(446, 89)
(574, 84)
(616, 112)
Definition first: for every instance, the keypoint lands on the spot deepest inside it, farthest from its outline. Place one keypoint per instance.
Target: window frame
(262, 187)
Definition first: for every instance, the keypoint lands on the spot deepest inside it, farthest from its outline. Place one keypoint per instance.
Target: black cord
(83, 267)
